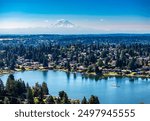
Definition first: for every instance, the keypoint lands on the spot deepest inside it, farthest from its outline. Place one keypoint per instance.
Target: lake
(112, 90)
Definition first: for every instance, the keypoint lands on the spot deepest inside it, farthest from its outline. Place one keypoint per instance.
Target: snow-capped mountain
(64, 24)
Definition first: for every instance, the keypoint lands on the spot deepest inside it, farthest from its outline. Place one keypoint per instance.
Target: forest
(17, 92)
(127, 55)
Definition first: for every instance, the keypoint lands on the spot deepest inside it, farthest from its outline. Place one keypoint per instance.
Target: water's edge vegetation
(107, 55)
(17, 92)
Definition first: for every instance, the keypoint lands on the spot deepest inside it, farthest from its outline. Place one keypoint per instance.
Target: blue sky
(96, 16)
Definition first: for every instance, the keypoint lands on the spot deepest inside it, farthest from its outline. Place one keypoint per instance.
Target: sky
(86, 16)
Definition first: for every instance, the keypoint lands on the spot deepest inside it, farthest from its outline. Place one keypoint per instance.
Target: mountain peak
(64, 24)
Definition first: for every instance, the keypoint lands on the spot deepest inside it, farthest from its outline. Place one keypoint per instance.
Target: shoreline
(106, 75)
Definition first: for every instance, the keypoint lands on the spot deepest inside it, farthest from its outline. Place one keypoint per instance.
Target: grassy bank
(108, 74)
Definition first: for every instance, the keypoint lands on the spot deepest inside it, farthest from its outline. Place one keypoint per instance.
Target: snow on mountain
(64, 24)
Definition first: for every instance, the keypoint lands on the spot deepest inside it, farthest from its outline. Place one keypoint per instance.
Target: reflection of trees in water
(118, 80)
(146, 79)
(74, 76)
(131, 80)
(45, 73)
(93, 77)
(68, 75)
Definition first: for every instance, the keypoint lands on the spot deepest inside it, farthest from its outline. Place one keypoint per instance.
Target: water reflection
(68, 76)
(93, 77)
(74, 76)
(45, 75)
(77, 85)
(131, 80)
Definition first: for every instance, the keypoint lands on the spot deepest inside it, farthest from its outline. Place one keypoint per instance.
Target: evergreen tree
(1, 87)
(2, 64)
(45, 89)
(36, 90)
(94, 100)
(90, 69)
(100, 63)
(1, 90)
(10, 85)
(65, 100)
(84, 101)
(30, 99)
(61, 94)
(50, 100)
(98, 71)
(132, 64)
(12, 64)
(68, 66)
(45, 62)
(20, 88)
(63, 97)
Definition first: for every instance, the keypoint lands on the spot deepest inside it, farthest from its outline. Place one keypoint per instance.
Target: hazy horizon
(74, 17)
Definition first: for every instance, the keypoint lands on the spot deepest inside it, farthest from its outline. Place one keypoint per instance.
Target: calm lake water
(129, 90)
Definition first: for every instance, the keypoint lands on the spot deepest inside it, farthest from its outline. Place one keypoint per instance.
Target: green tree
(45, 62)
(63, 97)
(36, 100)
(98, 71)
(12, 64)
(20, 88)
(94, 100)
(132, 64)
(107, 59)
(10, 85)
(100, 63)
(2, 64)
(104, 54)
(119, 63)
(68, 66)
(84, 101)
(1, 90)
(45, 89)
(50, 100)
(90, 69)
(1, 87)
(30, 99)
(61, 94)
(38, 92)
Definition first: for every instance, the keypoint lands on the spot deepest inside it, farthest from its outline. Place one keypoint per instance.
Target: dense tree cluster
(91, 56)
(17, 92)
(93, 100)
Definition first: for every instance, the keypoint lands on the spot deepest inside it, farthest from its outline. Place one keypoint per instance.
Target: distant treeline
(17, 92)
(75, 39)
